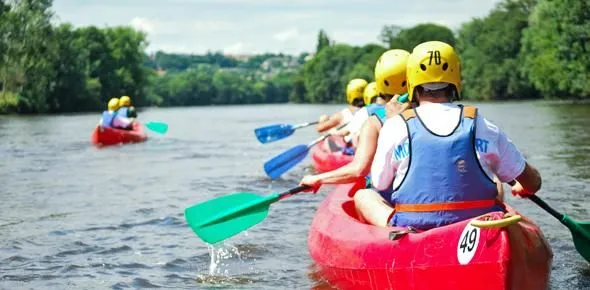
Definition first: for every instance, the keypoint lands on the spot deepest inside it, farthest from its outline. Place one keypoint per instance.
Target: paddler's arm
(393, 107)
(528, 182)
(360, 165)
(332, 122)
(511, 166)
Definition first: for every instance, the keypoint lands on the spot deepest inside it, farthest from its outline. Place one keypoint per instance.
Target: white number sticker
(468, 243)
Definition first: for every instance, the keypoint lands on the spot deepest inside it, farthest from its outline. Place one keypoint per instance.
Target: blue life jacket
(123, 112)
(108, 118)
(377, 110)
(445, 182)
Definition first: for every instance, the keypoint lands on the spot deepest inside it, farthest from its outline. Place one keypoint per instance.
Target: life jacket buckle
(396, 234)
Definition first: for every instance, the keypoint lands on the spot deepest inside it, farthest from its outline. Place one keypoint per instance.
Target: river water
(76, 217)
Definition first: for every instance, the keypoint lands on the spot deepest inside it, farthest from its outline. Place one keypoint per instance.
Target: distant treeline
(521, 49)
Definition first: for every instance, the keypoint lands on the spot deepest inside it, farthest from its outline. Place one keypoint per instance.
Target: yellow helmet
(433, 62)
(125, 101)
(390, 72)
(370, 93)
(355, 89)
(113, 104)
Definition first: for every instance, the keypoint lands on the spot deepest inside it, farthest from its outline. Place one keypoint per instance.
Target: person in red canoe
(111, 118)
(354, 97)
(440, 158)
(126, 109)
(390, 80)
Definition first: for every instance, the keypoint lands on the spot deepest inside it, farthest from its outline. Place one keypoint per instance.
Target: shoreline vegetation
(513, 53)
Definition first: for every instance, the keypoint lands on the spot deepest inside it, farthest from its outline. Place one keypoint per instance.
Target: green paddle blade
(403, 98)
(158, 127)
(581, 234)
(221, 218)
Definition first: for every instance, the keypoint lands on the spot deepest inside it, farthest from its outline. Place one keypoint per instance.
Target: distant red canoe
(110, 136)
(350, 254)
(325, 160)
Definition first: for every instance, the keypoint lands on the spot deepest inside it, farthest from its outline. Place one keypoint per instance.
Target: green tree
(556, 48)
(69, 92)
(323, 74)
(490, 58)
(365, 60)
(25, 68)
(126, 52)
(407, 38)
(323, 41)
(297, 95)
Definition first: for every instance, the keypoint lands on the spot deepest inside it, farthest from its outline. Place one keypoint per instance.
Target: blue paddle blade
(158, 127)
(273, 132)
(275, 167)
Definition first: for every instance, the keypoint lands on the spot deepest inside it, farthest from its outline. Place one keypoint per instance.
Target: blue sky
(256, 26)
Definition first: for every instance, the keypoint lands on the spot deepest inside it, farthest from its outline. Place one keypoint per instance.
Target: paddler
(439, 158)
(111, 119)
(126, 109)
(354, 98)
(390, 82)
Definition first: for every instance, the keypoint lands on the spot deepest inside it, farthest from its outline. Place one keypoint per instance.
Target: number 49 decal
(468, 243)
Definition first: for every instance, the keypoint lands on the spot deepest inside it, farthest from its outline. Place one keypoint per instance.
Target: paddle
(223, 217)
(158, 127)
(580, 230)
(277, 132)
(403, 98)
(286, 160)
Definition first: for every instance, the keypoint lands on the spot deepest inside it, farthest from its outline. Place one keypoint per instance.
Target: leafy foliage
(521, 49)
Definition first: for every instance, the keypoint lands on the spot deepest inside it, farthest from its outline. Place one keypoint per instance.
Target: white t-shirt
(121, 122)
(496, 153)
(358, 120)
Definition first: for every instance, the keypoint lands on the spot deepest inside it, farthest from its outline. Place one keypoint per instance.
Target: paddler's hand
(312, 181)
(323, 118)
(393, 107)
(518, 190)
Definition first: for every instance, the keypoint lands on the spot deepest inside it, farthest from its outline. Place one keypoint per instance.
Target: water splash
(220, 253)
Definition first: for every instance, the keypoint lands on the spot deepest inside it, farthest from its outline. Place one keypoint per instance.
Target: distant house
(239, 57)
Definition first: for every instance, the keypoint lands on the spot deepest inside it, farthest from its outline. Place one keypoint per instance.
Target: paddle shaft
(245, 207)
(320, 139)
(305, 125)
(546, 207)
(292, 191)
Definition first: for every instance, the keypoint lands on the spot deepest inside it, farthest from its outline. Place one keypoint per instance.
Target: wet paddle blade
(224, 217)
(282, 163)
(158, 127)
(581, 234)
(273, 132)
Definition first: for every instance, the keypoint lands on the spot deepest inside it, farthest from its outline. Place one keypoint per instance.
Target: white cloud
(249, 26)
(210, 25)
(236, 48)
(142, 24)
(286, 35)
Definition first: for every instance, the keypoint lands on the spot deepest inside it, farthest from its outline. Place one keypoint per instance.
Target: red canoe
(324, 160)
(110, 136)
(350, 254)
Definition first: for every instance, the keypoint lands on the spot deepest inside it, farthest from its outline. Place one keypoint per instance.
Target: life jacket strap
(408, 114)
(469, 112)
(445, 206)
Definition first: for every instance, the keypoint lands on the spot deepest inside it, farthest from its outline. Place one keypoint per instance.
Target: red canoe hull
(111, 136)
(353, 255)
(324, 160)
